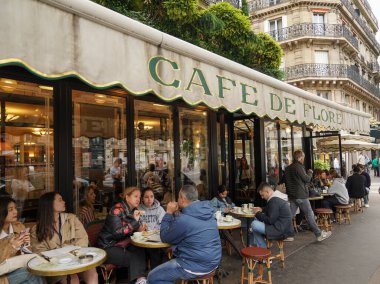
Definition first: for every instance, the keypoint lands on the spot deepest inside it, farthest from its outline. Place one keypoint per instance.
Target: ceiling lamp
(8, 85)
(142, 126)
(10, 117)
(42, 131)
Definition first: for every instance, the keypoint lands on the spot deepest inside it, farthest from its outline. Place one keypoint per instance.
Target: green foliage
(244, 7)
(321, 165)
(181, 11)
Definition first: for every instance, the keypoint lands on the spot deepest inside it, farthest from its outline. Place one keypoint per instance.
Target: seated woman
(222, 202)
(122, 221)
(11, 242)
(152, 218)
(320, 179)
(56, 229)
(338, 190)
(356, 184)
(87, 212)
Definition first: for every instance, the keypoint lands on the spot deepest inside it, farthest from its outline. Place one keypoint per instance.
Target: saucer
(65, 260)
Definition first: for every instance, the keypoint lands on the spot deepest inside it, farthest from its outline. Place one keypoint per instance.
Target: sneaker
(142, 280)
(366, 205)
(289, 239)
(324, 235)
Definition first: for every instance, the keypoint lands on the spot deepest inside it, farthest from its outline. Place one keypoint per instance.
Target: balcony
(340, 71)
(369, 11)
(235, 3)
(363, 25)
(315, 30)
(262, 4)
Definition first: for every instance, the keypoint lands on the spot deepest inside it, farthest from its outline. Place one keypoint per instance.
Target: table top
(227, 225)
(327, 194)
(66, 263)
(152, 241)
(243, 214)
(315, 198)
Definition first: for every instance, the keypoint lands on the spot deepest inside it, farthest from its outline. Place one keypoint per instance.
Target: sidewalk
(350, 255)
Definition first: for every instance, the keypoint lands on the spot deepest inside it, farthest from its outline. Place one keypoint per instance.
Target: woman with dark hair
(245, 174)
(86, 210)
(356, 184)
(12, 238)
(56, 229)
(222, 202)
(122, 221)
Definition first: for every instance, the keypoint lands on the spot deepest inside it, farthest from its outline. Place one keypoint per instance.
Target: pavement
(350, 255)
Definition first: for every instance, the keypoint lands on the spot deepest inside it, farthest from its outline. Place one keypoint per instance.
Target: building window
(324, 94)
(357, 104)
(347, 99)
(319, 24)
(364, 107)
(275, 28)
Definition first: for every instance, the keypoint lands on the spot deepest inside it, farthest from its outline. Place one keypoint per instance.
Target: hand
(16, 242)
(257, 209)
(172, 207)
(26, 239)
(143, 227)
(136, 215)
(227, 210)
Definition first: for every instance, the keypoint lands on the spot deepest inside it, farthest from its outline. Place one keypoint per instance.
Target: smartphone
(24, 232)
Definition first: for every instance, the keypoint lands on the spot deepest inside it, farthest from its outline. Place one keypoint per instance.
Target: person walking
(375, 166)
(296, 179)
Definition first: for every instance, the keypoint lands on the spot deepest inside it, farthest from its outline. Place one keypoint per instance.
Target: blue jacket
(195, 236)
(219, 205)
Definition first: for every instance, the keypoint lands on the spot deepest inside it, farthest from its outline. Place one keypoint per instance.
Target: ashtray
(85, 258)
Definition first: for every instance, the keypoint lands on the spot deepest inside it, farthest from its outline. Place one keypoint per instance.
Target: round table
(42, 267)
(149, 242)
(249, 215)
(224, 225)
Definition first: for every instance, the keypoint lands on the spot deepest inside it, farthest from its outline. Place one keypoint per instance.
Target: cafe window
(194, 149)
(154, 147)
(297, 138)
(27, 147)
(99, 146)
(271, 151)
(286, 144)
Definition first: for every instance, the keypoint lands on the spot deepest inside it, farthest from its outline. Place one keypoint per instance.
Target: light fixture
(42, 131)
(29, 143)
(288, 130)
(159, 105)
(100, 101)
(10, 117)
(48, 88)
(101, 96)
(8, 85)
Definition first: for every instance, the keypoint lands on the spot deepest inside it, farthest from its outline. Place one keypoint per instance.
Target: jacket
(277, 218)
(219, 205)
(356, 185)
(72, 230)
(153, 215)
(7, 250)
(338, 188)
(367, 179)
(195, 236)
(119, 225)
(296, 180)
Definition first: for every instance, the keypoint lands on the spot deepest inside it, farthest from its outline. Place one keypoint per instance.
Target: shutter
(266, 26)
(321, 57)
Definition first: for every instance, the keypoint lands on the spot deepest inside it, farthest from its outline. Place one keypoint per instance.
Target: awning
(347, 145)
(55, 39)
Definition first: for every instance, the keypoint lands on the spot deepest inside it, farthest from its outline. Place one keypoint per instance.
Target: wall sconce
(42, 131)
(8, 85)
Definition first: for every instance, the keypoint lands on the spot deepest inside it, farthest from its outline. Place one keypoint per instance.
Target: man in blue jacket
(191, 228)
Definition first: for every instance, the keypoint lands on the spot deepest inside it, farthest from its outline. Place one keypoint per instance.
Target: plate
(65, 260)
(228, 221)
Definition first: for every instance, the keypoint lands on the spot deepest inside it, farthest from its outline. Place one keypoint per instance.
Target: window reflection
(286, 144)
(271, 147)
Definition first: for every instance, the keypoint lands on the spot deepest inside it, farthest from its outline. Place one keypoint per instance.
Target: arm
(81, 237)
(172, 230)
(7, 250)
(271, 215)
(301, 173)
(121, 224)
(37, 246)
(215, 204)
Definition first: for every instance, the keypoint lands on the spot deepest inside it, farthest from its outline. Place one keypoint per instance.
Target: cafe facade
(81, 86)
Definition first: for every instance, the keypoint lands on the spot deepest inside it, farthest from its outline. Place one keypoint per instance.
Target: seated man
(338, 190)
(275, 223)
(194, 234)
(222, 202)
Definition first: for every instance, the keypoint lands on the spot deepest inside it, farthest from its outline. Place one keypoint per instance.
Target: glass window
(27, 147)
(297, 138)
(99, 146)
(194, 150)
(271, 148)
(154, 148)
(275, 28)
(245, 158)
(286, 145)
(222, 164)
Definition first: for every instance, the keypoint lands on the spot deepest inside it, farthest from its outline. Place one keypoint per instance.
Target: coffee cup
(237, 209)
(137, 235)
(228, 218)
(245, 207)
(250, 205)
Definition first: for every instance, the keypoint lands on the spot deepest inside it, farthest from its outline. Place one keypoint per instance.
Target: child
(152, 218)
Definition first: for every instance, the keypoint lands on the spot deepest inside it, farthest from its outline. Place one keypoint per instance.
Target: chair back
(93, 229)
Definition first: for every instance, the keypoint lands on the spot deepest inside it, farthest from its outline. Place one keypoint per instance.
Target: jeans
(305, 207)
(366, 198)
(22, 275)
(258, 231)
(168, 273)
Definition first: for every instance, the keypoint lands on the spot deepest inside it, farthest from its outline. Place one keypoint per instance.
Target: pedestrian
(275, 222)
(191, 228)
(375, 166)
(296, 180)
(367, 184)
(356, 184)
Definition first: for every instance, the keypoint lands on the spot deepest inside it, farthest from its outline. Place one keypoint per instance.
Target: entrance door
(244, 158)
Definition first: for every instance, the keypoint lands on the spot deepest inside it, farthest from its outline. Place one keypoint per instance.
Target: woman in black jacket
(122, 221)
(356, 184)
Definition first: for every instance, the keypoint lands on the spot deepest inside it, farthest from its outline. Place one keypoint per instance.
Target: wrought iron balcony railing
(255, 5)
(235, 3)
(369, 11)
(374, 66)
(319, 30)
(356, 15)
(330, 70)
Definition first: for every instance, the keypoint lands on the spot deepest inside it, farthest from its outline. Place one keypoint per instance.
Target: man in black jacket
(296, 179)
(276, 222)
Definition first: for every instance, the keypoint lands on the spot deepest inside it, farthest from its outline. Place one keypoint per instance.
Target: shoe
(142, 280)
(289, 239)
(366, 205)
(324, 235)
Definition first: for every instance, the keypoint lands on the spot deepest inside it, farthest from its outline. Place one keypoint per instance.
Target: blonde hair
(129, 190)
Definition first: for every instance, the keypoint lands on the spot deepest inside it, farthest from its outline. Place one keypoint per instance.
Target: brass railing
(310, 29)
(330, 70)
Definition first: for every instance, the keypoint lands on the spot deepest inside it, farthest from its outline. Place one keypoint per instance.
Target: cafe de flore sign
(56, 39)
